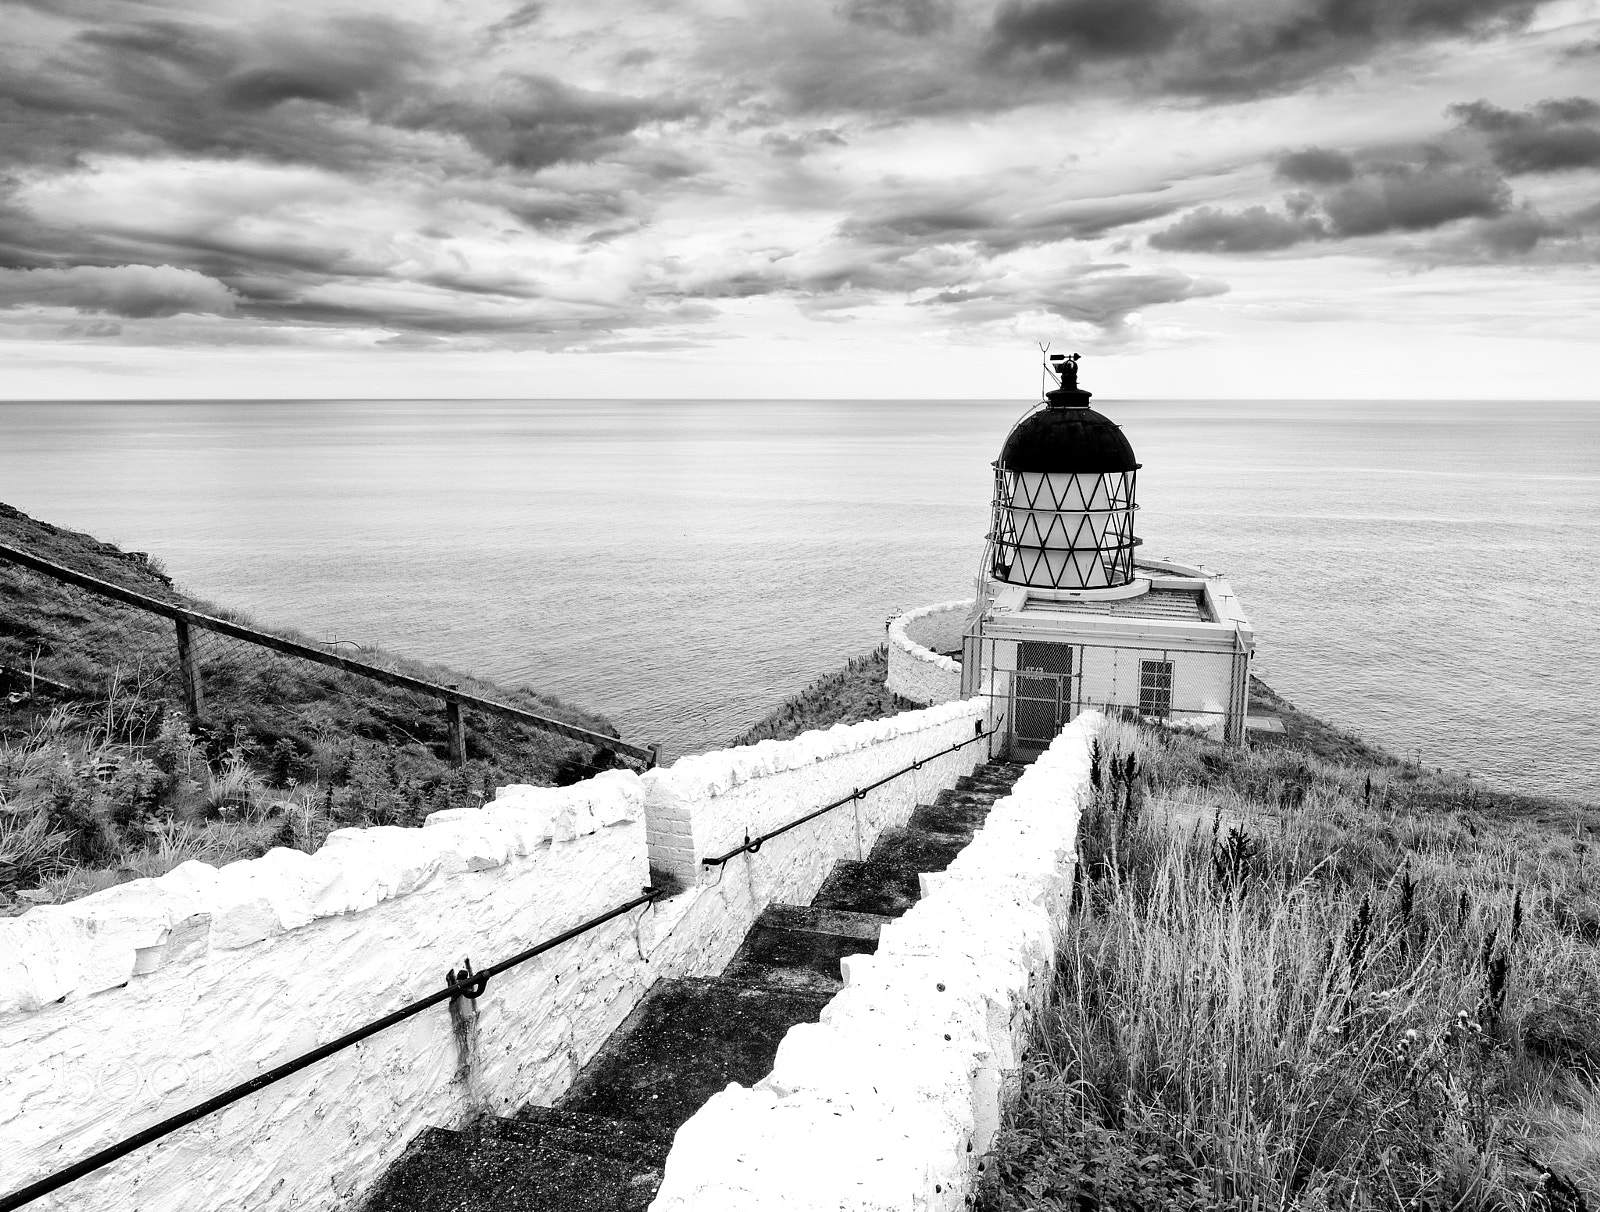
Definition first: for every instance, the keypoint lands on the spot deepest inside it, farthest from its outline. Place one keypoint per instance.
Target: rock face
(602, 1149)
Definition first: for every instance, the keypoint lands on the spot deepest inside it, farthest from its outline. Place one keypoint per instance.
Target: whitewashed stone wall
(131, 1005)
(918, 670)
(707, 804)
(896, 1092)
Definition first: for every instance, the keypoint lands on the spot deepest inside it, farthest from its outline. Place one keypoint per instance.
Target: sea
(1424, 573)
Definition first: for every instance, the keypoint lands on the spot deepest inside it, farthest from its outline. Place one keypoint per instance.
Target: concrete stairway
(603, 1148)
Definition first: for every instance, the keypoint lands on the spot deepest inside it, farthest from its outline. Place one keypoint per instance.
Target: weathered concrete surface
(800, 947)
(688, 1039)
(512, 1166)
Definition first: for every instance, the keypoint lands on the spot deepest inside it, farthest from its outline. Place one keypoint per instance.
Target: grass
(847, 696)
(1308, 976)
(103, 778)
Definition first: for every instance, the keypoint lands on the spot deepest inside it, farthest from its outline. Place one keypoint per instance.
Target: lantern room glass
(1063, 531)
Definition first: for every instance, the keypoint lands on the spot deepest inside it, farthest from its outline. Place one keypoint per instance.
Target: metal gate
(1042, 693)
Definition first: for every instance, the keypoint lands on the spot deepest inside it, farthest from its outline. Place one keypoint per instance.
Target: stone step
(487, 1169)
(985, 777)
(839, 922)
(959, 813)
(618, 1139)
(918, 849)
(976, 798)
(800, 946)
(686, 1040)
(865, 886)
(990, 787)
(887, 882)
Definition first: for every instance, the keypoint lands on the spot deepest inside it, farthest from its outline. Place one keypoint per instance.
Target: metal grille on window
(1155, 687)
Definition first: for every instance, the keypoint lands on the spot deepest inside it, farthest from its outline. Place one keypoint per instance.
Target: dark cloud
(993, 230)
(1412, 197)
(147, 86)
(1255, 229)
(1553, 136)
(1373, 199)
(538, 121)
(133, 291)
(99, 330)
(1107, 295)
(802, 144)
(913, 18)
(1090, 29)
(1515, 234)
(1315, 166)
(343, 93)
(1104, 295)
(518, 19)
(1227, 49)
(1524, 236)
(543, 210)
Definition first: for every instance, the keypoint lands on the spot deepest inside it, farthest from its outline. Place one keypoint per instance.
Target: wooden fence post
(458, 733)
(189, 673)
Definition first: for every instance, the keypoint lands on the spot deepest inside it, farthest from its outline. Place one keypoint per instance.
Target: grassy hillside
(848, 696)
(1303, 975)
(1300, 981)
(103, 778)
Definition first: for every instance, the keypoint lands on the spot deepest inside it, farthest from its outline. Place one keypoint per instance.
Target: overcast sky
(1263, 198)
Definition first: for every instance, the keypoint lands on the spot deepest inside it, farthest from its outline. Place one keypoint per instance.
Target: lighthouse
(1068, 616)
(1064, 494)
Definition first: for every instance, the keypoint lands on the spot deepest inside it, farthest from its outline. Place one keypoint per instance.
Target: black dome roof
(1067, 436)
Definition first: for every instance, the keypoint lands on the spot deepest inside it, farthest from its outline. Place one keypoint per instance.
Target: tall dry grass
(1279, 989)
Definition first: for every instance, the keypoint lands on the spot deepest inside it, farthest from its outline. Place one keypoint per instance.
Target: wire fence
(140, 713)
(1044, 685)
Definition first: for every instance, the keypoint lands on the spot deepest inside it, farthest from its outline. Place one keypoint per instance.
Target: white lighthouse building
(1067, 615)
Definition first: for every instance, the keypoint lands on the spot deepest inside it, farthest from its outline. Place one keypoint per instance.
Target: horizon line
(735, 399)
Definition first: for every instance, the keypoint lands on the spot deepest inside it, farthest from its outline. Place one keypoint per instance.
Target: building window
(1155, 687)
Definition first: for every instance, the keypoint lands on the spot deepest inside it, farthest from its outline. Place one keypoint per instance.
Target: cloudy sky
(1278, 198)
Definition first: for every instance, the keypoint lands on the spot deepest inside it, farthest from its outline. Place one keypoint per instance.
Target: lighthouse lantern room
(1067, 615)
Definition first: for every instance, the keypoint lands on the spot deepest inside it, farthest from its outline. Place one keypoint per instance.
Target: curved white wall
(918, 670)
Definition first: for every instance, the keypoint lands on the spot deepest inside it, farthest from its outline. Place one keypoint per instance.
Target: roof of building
(1066, 437)
(1173, 605)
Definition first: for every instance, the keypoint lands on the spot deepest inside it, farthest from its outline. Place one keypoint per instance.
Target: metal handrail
(448, 694)
(464, 983)
(754, 844)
